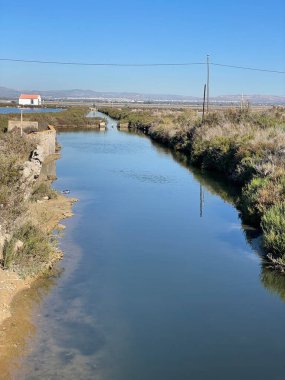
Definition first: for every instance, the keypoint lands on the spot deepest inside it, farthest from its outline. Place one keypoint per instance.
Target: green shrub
(14, 150)
(245, 169)
(259, 195)
(35, 251)
(273, 225)
(43, 190)
(10, 167)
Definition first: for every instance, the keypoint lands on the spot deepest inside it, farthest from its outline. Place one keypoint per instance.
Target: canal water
(160, 280)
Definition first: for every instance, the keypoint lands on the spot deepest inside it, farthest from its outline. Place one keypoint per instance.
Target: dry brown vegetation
(14, 151)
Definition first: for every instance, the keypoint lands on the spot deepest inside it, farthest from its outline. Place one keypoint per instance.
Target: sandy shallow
(19, 297)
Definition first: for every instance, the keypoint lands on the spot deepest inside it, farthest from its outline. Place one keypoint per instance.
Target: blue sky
(249, 33)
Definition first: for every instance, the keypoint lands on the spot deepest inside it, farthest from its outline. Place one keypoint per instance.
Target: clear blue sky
(244, 32)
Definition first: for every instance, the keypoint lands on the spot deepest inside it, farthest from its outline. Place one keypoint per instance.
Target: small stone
(18, 245)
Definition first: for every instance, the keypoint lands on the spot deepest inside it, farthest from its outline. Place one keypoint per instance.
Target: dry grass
(14, 151)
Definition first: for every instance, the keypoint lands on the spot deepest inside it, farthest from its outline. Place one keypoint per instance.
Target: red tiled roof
(29, 96)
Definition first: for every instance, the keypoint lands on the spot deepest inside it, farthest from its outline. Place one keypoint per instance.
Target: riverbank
(29, 211)
(247, 147)
(49, 213)
(15, 321)
(25, 245)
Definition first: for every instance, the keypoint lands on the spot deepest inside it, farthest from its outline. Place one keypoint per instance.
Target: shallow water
(160, 279)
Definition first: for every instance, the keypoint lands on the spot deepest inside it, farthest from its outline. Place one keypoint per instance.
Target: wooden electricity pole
(203, 113)
(208, 81)
(21, 127)
(241, 101)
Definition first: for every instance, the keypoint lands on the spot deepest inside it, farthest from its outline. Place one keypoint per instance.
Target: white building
(30, 100)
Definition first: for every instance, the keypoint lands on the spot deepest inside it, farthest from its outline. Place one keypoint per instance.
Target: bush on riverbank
(247, 146)
(43, 189)
(28, 250)
(14, 151)
(273, 225)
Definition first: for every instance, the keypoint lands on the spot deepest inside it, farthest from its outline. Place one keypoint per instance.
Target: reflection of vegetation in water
(273, 281)
(80, 130)
(216, 184)
(213, 182)
(16, 330)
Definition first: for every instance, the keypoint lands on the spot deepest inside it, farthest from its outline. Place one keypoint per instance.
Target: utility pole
(242, 101)
(203, 113)
(21, 122)
(208, 81)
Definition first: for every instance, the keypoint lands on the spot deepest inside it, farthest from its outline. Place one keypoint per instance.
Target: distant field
(147, 105)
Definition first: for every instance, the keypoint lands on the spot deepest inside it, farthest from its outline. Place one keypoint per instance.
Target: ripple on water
(145, 176)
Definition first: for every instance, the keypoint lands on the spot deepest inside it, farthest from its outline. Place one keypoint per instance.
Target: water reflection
(213, 182)
(216, 184)
(273, 281)
(17, 331)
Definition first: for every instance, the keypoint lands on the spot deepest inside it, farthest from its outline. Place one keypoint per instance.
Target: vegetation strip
(69, 118)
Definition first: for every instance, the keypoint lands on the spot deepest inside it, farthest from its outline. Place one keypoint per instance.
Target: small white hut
(30, 100)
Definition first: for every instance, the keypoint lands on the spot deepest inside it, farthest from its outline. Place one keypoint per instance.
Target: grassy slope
(247, 147)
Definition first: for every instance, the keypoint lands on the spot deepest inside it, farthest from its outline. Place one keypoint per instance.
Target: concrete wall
(48, 171)
(46, 139)
(123, 126)
(30, 102)
(28, 126)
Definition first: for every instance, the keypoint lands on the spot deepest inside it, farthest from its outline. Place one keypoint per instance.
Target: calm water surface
(160, 280)
(8, 110)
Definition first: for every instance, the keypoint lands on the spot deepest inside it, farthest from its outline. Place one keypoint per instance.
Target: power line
(248, 68)
(142, 64)
(102, 64)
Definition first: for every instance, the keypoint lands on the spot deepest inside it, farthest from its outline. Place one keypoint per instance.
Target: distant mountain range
(77, 94)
